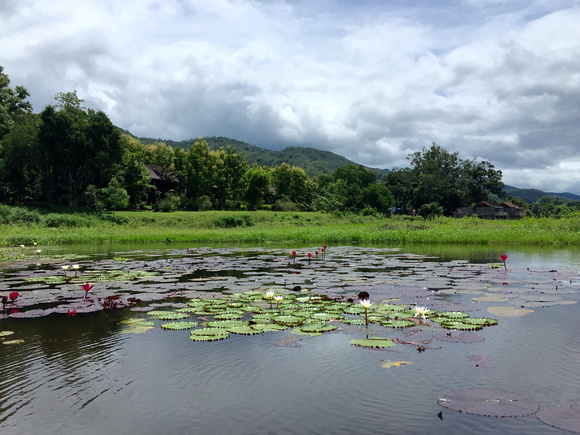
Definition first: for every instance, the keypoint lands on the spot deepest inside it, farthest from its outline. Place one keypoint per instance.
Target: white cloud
(372, 81)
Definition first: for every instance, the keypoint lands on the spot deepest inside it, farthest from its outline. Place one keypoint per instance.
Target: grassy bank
(263, 227)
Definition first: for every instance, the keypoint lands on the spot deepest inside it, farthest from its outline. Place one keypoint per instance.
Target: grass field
(263, 227)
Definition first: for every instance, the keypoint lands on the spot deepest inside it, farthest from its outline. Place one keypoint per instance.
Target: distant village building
(162, 180)
(488, 210)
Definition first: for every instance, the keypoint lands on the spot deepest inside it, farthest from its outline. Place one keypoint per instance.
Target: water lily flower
(309, 257)
(366, 303)
(87, 288)
(278, 299)
(504, 257)
(22, 246)
(76, 269)
(14, 295)
(421, 311)
(71, 313)
(294, 257)
(64, 268)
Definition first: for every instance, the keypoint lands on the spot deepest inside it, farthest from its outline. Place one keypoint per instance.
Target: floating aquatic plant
(377, 342)
(488, 402)
(388, 364)
(566, 417)
(87, 288)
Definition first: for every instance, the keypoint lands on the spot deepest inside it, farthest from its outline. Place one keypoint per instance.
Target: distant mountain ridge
(313, 161)
(532, 195)
(317, 162)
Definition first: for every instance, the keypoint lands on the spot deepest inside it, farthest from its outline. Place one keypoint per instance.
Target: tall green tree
(19, 163)
(78, 147)
(443, 178)
(13, 102)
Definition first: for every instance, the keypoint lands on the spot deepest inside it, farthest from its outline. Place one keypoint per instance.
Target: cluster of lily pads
(252, 312)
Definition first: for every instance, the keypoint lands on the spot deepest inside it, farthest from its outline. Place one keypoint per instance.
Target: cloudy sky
(367, 79)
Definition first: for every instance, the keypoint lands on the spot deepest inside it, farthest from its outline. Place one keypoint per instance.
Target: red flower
(71, 313)
(293, 253)
(87, 288)
(504, 257)
(14, 295)
(309, 255)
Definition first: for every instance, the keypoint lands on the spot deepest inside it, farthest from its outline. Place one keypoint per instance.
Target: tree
(441, 177)
(378, 196)
(19, 164)
(292, 184)
(401, 183)
(115, 197)
(12, 103)
(258, 185)
(78, 147)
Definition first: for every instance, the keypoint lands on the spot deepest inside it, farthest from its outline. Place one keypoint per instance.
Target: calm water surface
(81, 375)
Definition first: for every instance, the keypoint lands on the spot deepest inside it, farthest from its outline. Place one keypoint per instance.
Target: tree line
(69, 155)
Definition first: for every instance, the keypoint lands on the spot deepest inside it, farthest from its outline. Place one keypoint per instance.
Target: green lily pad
(398, 323)
(209, 334)
(6, 333)
(226, 324)
(12, 342)
(460, 326)
(179, 325)
(288, 320)
(268, 327)
(376, 342)
(483, 321)
(453, 314)
(244, 330)
(168, 315)
(317, 327)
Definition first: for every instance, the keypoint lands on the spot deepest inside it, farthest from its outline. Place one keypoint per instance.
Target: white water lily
(269, 294)
(75, 266)
(421, 311)
(366, 303)
(65, 268)
(278, 298)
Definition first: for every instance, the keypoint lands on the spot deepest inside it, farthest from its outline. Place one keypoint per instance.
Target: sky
(371, 80)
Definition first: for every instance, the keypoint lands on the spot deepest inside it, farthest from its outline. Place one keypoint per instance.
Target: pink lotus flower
(309, 257)
(14, 295)
(87, 288)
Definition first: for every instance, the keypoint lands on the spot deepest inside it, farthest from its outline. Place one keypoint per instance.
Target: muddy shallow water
(91, 373)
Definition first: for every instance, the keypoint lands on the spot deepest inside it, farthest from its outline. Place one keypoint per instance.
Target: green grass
(262, 227)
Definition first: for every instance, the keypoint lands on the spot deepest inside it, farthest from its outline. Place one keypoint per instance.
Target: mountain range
(318, 162)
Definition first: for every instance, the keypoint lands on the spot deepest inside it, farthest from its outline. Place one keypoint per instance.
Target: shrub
(203, 203)
(234, 221)
(54, 220)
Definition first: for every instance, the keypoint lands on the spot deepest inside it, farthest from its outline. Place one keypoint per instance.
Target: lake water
(86, 374)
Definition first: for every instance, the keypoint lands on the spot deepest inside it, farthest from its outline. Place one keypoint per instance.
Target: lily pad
(509, 311)
(209, 334)
(566, 417)
(488, 402)
(179, 325)
(459, 337)
(12, 342)
(376, 342)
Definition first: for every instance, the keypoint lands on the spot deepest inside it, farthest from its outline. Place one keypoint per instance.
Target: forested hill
(532, 195)
(313, 161)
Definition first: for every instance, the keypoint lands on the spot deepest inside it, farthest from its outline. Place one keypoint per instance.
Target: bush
(54, 220)
(234, 221)
(431, 210)
(203, 203)
(285, 205)
(18, 215)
